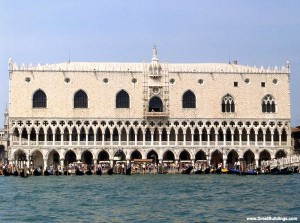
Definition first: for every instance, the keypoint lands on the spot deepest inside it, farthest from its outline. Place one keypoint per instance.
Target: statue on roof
(154, 53)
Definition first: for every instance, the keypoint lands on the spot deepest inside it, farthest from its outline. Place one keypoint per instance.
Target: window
(122, 99)
(228, 104)
(268, 104)
(263, 84)
(80, 99)
(236, 84)
(155, 105)
(39, 99)
(188, 100)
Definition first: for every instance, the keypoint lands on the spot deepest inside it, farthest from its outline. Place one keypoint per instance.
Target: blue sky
(253, 32)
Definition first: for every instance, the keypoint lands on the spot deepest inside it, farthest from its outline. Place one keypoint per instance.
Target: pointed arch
(39, 99)
(80, 99)
(228, 104)
(155, 105)
(268, 104)
(122, 99)
(188, 100)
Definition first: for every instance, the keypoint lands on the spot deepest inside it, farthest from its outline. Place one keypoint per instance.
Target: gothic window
(268, 104)
(188, 100)
(39, 99)
(122, 99)
(228, 104)
(80, 99)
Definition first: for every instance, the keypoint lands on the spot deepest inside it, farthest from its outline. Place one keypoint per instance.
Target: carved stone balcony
(156, 114)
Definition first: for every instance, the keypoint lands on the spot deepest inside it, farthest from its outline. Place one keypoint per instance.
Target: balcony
(156, 114)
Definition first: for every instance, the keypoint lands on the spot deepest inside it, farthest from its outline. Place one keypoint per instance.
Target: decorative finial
(154, 58)
(288, 65)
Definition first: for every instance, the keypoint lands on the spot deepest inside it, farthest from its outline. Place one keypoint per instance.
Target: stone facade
(174, 112)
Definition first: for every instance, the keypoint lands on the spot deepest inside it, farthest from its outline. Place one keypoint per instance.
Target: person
(238, 165)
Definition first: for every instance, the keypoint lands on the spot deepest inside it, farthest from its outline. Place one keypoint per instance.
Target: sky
(255, 33)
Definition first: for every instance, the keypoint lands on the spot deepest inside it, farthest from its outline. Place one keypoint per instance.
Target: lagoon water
(148, 198)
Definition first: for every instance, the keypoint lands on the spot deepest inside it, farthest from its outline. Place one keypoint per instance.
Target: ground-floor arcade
(45, 157)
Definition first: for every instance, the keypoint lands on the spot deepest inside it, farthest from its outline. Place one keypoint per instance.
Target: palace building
(169, 112)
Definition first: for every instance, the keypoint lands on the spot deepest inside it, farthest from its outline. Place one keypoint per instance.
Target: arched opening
(249, 158)
(185, 155)
(153, 155)
(232, 157)
(120, 155)
(280, 154)
(82, 135)
(122, 99)
(53, 159)
(80, 99)
(180, 135)
(140, 135)
(37, 159)
(148, 134)
(39, 99)
(32, 135)
(216, 158)
(91, 135)
(103, 156)
(156, 135)
(172, 135)
(87, 157)
(164, 135)
(70, 157)
(188, 100)
(200, 155)
(20, 158)
(115, 135)
(264, 156)
(124, 135)
(136, 155)
(196, 135)
(169, 156)
(155, 105)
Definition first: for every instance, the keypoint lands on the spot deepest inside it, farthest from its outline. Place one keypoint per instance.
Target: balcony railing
(156, 114)
(146, 143)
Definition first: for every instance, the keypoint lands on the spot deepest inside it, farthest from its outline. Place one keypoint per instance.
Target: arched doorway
(120, 155)
(216, 158)
(185, 155)
(155, 105)
(20, 158)
(103, 156)
(232, 157)
(264, 156)
(169, 156)
(37, 160)
(53, 158)
(200, 155)
(249, 158)
(153, 155)
(87, 157)
(136, 155)
(70, 157)
(280, 154)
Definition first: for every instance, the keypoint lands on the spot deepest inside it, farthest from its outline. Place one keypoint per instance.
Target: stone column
(280, 139)
(144, 137)
(192, 135)
(95, 139)
(70, 138)
(103, 139)
(159, 138)
(232, 139)
(152, 138)
(184, 139)
(248, 139)
(208, 139)
(240, 138)
(264, 137)
(256, 135)
(28, 139)
(61, 139)
(272, 139)
(135, 138)
(45, 163)
(168, 138)
(62, 164)
(216, 139)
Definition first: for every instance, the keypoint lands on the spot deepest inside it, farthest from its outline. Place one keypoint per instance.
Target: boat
(37, 172)
(23, 174)
(207, 170)
(224, 170)
(110, 171)
(187, 170)
(233, 171)
(199, 171)
(6, 173)
(99, 171)
(48, 173)
(128, 171)
(78, 172)
(250, 172)
(284, 171)
(89, 172)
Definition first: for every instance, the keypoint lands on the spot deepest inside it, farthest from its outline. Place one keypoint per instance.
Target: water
(148, 198)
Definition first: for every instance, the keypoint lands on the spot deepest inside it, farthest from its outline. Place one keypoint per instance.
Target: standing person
(238, 165)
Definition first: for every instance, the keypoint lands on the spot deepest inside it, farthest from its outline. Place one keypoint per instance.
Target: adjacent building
(169, 112)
